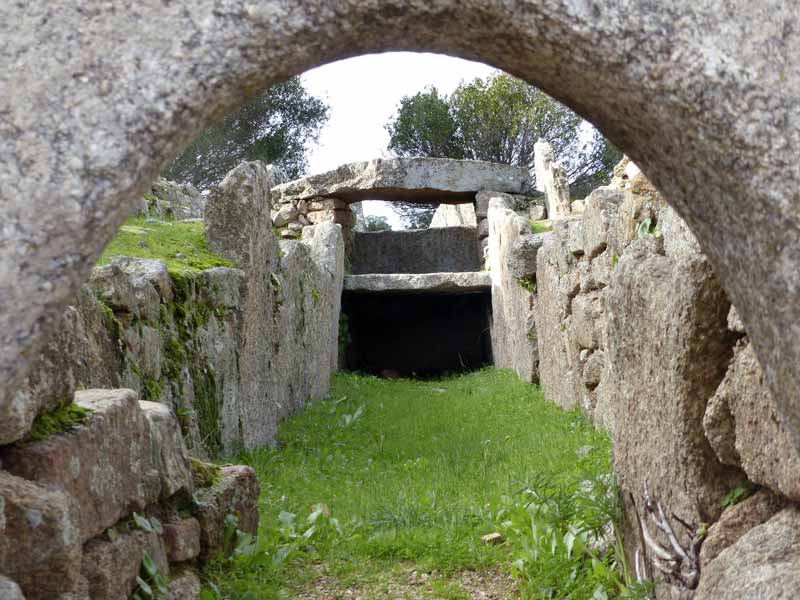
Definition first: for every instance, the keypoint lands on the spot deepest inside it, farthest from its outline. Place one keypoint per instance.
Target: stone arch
(705, 97)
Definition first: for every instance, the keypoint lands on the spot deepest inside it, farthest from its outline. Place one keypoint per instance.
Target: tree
(376, 223)
(499, 120)
(276, 127)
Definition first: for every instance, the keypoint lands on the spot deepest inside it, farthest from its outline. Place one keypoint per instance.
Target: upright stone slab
(551, 178)
(514, 334)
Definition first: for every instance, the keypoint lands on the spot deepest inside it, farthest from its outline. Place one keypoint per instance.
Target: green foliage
(376, 223)
(60, 420)
(388, 472)
(614, 259)
(182, 246)
(736, 495)
(275, 128)
(499, 119)
(150, 584)
(647, 227)
(541, 226)
(528, 284)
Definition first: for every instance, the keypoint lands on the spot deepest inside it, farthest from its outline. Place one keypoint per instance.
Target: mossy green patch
(204, 474)
(541, 226)
(60, 420)
(182, 246)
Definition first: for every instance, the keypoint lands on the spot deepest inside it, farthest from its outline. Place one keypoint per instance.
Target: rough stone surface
(667, 349)
(173, 200)
(743, 427)
(238, 210)
(763, 564)
(455, 215)
(738, 520)
(184, 586)
(113, 465)
(111, 566)
(521, 261)
(236, 493)
(514, 335)
(407, 179)
(425, 283)
(39, 538)
(182, 540)
(9, 590)
(438, 250)
(64, 197)
(168, 451)
(552, 179)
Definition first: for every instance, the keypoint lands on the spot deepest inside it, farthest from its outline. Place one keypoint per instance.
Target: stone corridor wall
(154, 367)
(634, 329)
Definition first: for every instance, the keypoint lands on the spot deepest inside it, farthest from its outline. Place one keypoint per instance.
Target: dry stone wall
(634, 329)
(200, 363)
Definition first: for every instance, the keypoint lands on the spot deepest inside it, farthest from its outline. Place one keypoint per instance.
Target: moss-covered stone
(62, 419)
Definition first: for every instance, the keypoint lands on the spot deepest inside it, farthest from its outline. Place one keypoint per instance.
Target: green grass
(541, 226)
(141, 237)
(390, 475)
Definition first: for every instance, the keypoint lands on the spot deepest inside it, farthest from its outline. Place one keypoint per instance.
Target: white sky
(363, 94)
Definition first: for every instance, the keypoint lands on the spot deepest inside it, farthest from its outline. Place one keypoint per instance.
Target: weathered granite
(425, 283)
(764, 563)
(235, 493)
(40, 546)
(123, 459)
(173, 200)
(9, 590)
(454, 215)
(437, 250)
(110, 566)
(552, 179)
(63, 197)
(514, 335)
(182, 540)
(408, 179)
(738, 520)
(184, 585)
(743, 427)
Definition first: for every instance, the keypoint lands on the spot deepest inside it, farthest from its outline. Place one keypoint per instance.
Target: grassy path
(385, 489)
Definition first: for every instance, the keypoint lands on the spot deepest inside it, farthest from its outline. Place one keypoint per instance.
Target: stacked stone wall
(97, 486)
(634, 328)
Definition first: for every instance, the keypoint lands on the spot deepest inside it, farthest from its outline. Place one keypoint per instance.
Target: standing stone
(514, 335)
(455, 215)
(551, 178)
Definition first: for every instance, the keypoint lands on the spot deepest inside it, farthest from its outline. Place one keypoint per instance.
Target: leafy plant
(736, 495)
(150, 583)
(528, 284)
(647, 227)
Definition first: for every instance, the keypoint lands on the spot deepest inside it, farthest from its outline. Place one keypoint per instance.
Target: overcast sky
(364, 93)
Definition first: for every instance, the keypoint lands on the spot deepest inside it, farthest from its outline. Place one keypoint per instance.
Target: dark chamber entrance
(423, 335)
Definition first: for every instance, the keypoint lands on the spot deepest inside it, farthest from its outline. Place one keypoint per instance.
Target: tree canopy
(499, 119)
(275, 127)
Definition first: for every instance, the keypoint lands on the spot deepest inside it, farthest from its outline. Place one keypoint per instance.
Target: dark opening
(421, 335)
